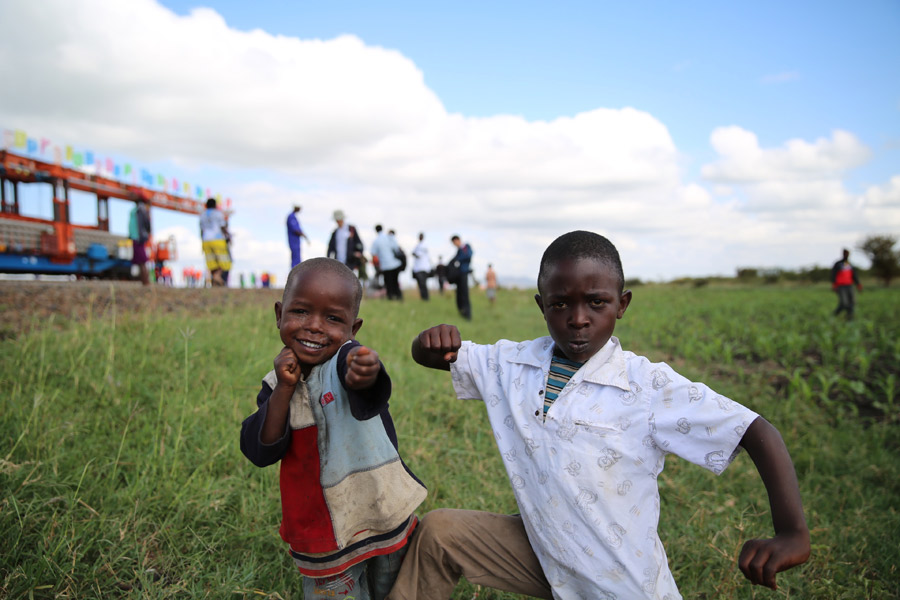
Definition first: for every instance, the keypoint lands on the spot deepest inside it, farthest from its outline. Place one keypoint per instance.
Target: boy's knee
(440, 528)
(437, 523)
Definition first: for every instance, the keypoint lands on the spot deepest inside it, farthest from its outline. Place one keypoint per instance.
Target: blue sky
(751, 134)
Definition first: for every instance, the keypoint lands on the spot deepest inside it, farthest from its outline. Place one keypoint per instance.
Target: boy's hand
(287, 368)
(363, 367)
(760, 560)
(437, 347)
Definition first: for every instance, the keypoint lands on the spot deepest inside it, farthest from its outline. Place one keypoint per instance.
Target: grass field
(121, 475)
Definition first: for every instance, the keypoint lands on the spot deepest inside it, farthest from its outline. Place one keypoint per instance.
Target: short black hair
(578, 245)
(329, 265)
(210, 203)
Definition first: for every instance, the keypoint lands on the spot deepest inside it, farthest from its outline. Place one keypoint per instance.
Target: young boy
(583, 428)
(347, 498)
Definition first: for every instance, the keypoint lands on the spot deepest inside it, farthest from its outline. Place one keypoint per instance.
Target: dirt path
(23, 304)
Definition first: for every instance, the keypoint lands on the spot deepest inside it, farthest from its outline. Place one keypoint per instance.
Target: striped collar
(606, 367)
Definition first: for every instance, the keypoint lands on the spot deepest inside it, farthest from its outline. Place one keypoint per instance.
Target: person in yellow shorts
(215, 236)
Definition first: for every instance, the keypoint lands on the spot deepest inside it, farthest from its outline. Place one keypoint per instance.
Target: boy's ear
(356, 325)
(278, 315)
(540, 302)
(624, 301)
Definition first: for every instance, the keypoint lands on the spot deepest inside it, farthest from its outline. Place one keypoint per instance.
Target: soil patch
(26, 305)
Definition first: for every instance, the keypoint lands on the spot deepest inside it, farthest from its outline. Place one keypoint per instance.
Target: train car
(58, 247)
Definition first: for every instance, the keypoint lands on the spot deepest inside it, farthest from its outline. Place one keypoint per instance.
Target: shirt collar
(606, 367)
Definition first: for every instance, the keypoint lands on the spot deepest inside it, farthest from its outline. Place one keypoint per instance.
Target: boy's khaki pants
(488, 549)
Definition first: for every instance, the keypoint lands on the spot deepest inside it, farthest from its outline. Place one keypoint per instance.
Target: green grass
(121, 476)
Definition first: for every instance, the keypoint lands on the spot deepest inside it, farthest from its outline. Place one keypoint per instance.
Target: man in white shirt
(422, 266)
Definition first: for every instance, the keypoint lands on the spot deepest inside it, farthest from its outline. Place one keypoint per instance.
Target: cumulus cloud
(742, 160)
(339, 123)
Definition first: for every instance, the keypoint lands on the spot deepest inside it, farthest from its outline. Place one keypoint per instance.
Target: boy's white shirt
(585, 479)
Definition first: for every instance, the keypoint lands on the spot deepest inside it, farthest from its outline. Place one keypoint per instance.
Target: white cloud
(341, 124)
(742, 159)
(880, 206)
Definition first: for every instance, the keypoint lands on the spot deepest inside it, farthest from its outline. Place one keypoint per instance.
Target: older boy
(583, 428)
(347, 499)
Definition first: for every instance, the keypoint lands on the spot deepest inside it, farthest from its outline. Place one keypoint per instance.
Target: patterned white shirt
(586, 478)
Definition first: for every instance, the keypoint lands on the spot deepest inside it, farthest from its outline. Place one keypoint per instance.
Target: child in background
(583, 428)
(347, 498)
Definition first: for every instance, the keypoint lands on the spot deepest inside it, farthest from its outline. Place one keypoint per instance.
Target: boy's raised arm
(287, 373)
(437, 347)
(363, 367)
(761, 559)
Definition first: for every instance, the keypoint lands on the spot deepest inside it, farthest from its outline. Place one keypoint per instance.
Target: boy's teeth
(312, 345)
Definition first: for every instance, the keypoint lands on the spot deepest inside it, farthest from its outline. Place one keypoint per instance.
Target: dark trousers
(462, 296)
(422, 280)
(846, 300)
(392, 285)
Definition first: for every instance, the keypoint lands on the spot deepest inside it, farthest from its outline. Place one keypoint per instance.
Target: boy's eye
(596, 302)
(558, 305)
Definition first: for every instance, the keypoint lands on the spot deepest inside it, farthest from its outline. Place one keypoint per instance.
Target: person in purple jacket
(294, 233)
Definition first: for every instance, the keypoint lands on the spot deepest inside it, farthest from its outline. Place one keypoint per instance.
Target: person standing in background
(464, 256)
(139, 232)
(490, 282)
(345, 244)
(215, 236)
(385, 248)
(441, 271)
(294, 233)
(421, 266)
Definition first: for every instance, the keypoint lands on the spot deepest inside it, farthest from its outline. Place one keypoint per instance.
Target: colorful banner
(16, 139)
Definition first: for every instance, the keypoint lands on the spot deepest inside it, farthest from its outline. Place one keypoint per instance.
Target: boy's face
(580, 300)
(317, 316)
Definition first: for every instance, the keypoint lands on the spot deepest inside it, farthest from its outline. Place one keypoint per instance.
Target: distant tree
(747, 273)
(885, 260)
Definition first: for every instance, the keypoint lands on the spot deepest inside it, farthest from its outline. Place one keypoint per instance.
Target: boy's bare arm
(287, 373)
(437, 347)
(761, 559)
(363, 367)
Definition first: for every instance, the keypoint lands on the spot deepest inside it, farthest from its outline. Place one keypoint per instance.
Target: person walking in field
(843, 280)
(347, 499)
(583, 428)
(294, 233)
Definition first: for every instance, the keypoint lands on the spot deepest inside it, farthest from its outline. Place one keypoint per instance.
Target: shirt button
(541, 393)
(537, 412)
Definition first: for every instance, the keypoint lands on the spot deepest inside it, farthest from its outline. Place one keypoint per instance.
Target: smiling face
(317, 316)
(581, 299)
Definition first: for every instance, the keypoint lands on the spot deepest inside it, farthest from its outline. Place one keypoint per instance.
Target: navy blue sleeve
(364, 405)
(263, 455)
